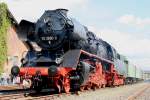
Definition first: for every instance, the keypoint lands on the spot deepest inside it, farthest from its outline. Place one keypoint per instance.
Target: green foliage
(4, 24)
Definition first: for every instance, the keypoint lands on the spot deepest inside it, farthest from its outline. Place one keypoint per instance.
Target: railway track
(83, 95)
(28, 94)
(42, 96)
(145, 95)
(10, 87)
(32, 96)
(12, 96)
(47, 97)
(141, 94)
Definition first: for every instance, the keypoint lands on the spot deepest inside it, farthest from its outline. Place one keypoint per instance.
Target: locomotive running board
(95, 56)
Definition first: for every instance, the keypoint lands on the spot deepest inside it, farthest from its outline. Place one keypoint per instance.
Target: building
(146, 75)
(15, 47)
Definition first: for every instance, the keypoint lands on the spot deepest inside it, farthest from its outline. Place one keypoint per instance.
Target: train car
(139, 74)
(131, 73)
(120, 65)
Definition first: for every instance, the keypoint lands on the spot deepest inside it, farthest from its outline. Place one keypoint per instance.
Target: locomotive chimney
(63, 11)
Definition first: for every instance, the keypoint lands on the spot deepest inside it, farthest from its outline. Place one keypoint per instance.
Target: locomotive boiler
(70, 57)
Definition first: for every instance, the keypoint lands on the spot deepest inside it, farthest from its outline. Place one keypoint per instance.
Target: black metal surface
(52, 71)
(71, 58)
(85, 71)
(25, 29)
(15, 70)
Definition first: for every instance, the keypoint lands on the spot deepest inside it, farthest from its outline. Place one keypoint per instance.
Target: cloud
(136, 49)
(33, 9)
(134, 21)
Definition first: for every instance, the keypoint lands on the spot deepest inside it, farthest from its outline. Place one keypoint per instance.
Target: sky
(125, 24)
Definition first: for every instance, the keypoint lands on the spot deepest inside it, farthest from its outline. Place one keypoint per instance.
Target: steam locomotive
(70, 58)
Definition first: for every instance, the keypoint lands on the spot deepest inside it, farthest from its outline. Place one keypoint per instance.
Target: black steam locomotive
(69, 56)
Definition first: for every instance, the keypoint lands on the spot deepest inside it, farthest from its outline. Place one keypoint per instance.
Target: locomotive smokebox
(50, 29)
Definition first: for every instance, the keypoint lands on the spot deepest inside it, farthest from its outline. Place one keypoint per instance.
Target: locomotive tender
(70, 57)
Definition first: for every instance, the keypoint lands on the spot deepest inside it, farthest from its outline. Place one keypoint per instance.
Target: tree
(4, 25)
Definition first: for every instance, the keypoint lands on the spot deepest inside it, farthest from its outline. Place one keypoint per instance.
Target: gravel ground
(145, 95)
(117, 93)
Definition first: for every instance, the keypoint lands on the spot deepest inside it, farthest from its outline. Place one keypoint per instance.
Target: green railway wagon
(142, 74)
(131, 70)
(131, 73)
(138, 73)
(120, 65)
